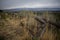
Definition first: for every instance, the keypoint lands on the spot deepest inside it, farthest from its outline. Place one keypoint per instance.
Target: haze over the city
(11, 4)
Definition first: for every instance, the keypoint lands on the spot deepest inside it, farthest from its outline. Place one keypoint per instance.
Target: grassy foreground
(30, 25)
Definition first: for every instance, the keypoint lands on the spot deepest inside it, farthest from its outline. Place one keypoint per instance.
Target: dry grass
(15, 27)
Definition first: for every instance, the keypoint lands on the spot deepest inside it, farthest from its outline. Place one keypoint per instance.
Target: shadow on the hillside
(2, 37)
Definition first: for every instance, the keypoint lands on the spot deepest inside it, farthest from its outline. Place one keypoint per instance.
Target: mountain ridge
(33, 9)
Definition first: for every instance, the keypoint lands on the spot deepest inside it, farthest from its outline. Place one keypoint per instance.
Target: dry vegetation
(27, 25)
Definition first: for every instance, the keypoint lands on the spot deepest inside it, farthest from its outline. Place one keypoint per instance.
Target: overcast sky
(10, 4)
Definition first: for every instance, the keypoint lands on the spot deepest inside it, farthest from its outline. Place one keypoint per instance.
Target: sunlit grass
(23, 26)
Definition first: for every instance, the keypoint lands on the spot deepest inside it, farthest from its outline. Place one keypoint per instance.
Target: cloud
(9, 4)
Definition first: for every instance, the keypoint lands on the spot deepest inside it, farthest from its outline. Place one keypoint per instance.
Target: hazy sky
(9, 4)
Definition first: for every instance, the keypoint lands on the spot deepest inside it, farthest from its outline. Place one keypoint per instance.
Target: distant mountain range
(32, 9)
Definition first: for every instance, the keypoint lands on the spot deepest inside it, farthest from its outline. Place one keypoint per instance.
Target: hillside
(30, 25)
